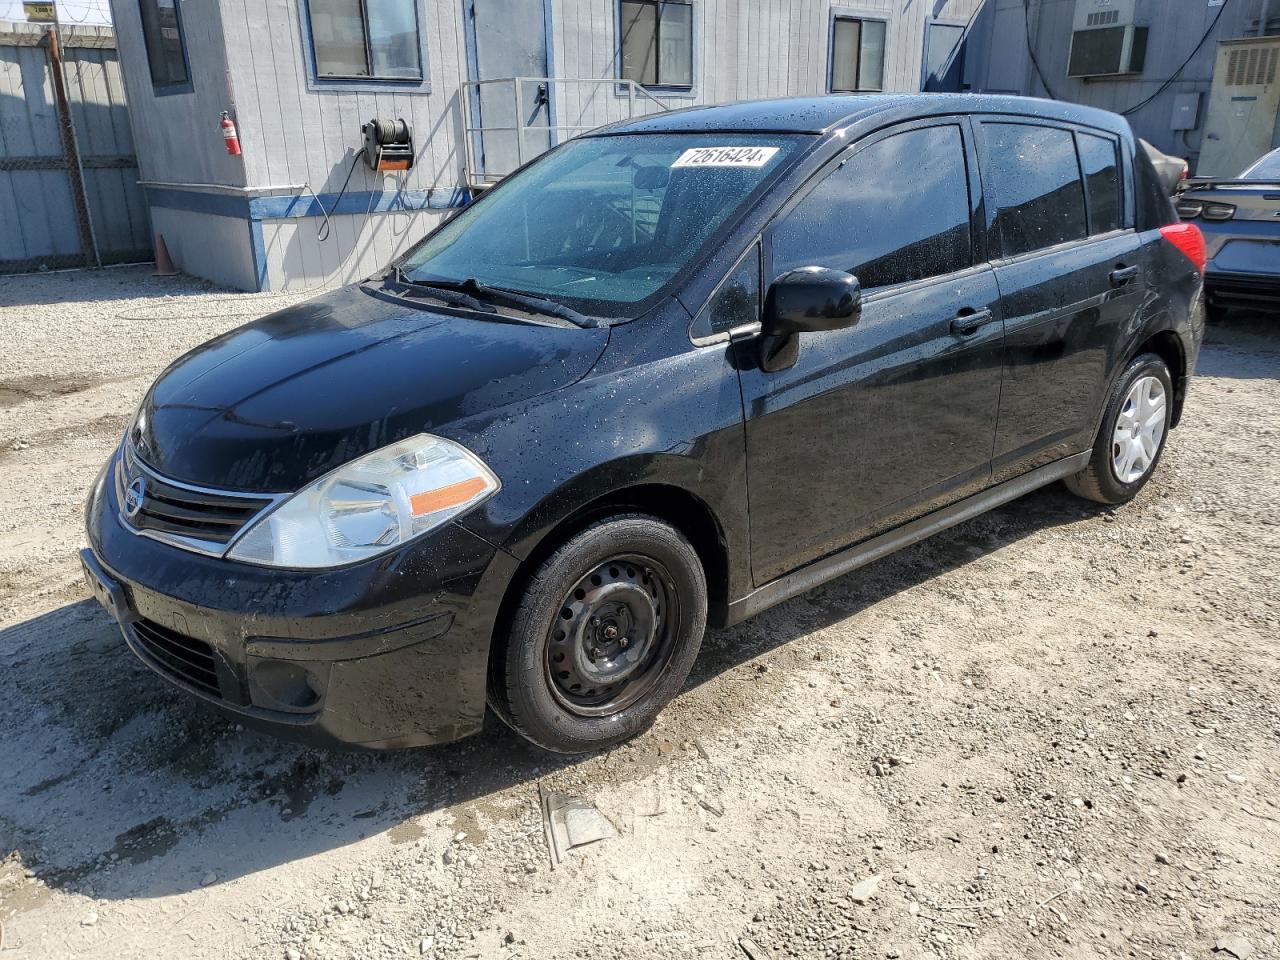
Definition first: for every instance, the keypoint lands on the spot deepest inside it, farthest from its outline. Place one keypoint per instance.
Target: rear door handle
(969, 321)
(1122, 275)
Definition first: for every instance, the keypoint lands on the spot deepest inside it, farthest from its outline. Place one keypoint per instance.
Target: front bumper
(388, 653)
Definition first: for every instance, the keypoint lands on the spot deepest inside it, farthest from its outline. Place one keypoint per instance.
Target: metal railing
(545, 110)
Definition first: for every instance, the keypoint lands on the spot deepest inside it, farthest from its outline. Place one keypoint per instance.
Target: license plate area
(105, 590)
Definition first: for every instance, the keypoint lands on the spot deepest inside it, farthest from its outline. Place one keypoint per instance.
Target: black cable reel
(388, 144)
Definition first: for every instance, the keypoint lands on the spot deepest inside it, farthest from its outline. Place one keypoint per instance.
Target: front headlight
(370, 505)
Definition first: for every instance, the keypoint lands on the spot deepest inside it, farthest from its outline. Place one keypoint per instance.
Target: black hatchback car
(664, 376)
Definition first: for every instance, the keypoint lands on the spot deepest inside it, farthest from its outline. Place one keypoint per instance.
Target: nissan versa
(664, 376)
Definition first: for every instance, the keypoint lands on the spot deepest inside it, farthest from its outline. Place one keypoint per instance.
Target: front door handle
(969, 321)
(1122, 275)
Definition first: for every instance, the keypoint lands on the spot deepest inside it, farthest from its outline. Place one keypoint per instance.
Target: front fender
(669, 419)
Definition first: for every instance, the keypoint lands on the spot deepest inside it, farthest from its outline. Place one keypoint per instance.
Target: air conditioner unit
(1105, 41)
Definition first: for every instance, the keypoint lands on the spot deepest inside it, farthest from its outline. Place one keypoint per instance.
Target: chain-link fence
(69, 195)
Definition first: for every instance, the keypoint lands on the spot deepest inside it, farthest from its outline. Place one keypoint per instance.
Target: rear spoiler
(1212, 183)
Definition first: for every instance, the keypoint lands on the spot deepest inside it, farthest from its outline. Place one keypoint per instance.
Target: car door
(1069, 266)
(894, 416)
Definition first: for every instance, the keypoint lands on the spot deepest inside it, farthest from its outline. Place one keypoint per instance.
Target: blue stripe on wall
(307, 205)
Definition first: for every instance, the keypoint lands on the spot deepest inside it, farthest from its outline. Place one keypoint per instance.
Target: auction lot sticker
(725, 157)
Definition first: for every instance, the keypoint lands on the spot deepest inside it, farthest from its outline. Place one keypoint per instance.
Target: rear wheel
(1133, 433)
(605, 635)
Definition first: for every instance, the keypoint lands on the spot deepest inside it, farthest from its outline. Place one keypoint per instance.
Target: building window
(162, 34)
(365, 39)
(657, 43)
(857, 55)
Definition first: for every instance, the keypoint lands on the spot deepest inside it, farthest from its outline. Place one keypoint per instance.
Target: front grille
(186, 658)
(179, 510)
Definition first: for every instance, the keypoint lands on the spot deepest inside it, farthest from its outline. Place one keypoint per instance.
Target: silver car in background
(1240, 220)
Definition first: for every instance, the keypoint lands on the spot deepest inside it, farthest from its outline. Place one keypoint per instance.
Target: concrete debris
(864, 890)
(753, 950)
(571, 822)
(1235, 945)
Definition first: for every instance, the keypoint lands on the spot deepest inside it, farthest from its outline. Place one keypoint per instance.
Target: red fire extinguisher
(229, 135)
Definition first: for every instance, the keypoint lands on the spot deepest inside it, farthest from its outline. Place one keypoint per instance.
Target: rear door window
(1101, 166)
(896, 211)
(1033, 181)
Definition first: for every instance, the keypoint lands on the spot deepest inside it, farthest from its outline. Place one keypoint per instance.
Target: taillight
(1189, 241)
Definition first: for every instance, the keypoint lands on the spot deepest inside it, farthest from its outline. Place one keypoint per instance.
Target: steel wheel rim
(613, 636)
(1139, 429)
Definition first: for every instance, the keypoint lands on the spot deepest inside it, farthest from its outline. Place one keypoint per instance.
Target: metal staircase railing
(526, 116)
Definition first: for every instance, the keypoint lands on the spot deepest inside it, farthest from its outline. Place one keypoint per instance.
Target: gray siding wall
(301, 137)
(295, 134)
(1175, 28)
(749, 49)
(213, 247)
(177, 135)
(360, 245)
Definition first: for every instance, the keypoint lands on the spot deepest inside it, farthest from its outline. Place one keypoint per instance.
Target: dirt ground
(1053, 731)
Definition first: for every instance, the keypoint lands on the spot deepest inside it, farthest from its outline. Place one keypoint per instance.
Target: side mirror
(807, 300)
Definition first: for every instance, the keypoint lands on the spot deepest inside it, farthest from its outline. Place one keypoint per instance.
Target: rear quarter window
(1033, 178)
(1101, 165)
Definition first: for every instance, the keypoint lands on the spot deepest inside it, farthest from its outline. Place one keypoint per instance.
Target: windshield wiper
(512, 298)
(445, 294)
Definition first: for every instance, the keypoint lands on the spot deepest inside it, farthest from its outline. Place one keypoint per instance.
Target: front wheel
(605, 635)
(1131, 440)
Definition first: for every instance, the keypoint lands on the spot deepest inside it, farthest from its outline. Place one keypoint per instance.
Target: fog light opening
(281, 685)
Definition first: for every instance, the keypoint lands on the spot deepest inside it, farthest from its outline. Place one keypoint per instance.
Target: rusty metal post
(75, 172)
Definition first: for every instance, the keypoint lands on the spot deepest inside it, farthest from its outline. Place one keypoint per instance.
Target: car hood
(283, 400)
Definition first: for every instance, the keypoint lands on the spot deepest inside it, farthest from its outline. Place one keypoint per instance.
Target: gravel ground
(1050, 732)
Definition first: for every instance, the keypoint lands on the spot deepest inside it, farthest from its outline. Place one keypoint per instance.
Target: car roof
(827, 114)
(1266, 159)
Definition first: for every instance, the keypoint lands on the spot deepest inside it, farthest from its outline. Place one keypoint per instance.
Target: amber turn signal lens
(441, 498)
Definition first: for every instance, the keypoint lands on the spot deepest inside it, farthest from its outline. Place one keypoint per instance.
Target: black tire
(632, 574)
(1099, 481)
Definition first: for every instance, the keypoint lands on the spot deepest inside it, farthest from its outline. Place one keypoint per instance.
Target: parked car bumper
(1244, 263)
(383, 654)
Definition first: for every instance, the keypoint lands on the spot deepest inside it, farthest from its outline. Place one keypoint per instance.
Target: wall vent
(1253, 66)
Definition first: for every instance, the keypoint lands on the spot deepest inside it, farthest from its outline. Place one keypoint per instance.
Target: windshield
(1268, 168)
(603, 224)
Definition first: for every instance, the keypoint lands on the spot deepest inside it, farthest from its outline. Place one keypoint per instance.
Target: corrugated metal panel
(35, 192)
